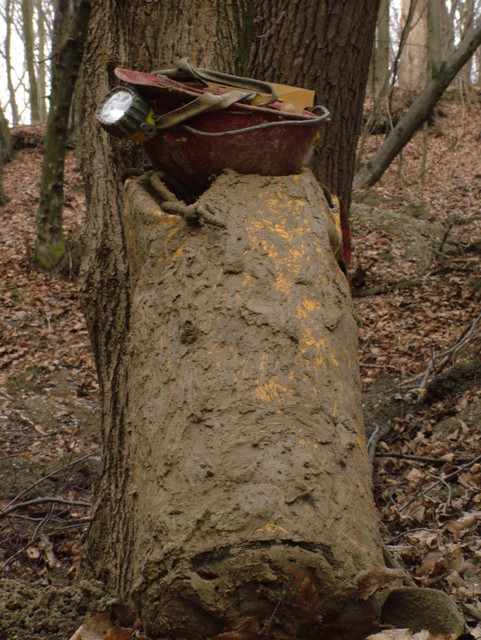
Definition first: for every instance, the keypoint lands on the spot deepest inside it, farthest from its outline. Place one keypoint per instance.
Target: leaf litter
(417, 286)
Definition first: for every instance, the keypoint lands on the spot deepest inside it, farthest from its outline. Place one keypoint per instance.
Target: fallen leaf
(245, 629)
(118, 633)
(94, 629)
(371, 581)
(460, 526)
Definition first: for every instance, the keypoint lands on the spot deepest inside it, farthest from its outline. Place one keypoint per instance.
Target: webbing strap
(185, 69)
(203, 104)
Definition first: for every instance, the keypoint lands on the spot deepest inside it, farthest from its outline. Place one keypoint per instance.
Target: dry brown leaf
(118, 633)
(245, 629)
(372, 581)
(460, 526)
(432, 564)
(94, 629)
(306, 603)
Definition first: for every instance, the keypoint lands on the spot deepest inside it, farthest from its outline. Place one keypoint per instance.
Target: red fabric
(346, 235)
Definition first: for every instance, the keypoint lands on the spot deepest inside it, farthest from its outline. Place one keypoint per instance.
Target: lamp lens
(116, 106)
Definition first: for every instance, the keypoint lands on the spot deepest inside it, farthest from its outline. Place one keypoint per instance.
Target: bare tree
(28, 40)
(418, 113)
(413, 63)
(71, 24)
(380, 57)
(8, 17)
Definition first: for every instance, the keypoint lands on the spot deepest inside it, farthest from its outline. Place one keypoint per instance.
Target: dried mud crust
(241, 410)
(46, 612)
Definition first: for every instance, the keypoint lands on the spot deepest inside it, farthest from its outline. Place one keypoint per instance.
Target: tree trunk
(419, 111)
(383, 46)
(413, 63)
(234, 456)
(30, 59)
(379, 65)
(435, 30)
(5, 152)
(324, 46)
(50, 245)
(243, 462)
(467, 19)
(42, 75)
(8, 62)
(5, 139)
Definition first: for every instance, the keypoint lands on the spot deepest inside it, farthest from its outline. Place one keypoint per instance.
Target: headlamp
(124, 113)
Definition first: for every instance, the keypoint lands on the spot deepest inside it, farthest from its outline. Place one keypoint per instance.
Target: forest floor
(416, 283)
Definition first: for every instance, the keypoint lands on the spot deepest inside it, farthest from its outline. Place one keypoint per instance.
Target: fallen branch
(413, 458)
(378, 434)
(440, 481)
(448, 352)
(42, 500)
(50, 475)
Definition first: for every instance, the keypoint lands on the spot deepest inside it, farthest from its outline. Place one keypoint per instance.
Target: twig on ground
(42, 500)
(444, 481)
(467, 333)
(378, 434)
(49, 475)
(408, 456)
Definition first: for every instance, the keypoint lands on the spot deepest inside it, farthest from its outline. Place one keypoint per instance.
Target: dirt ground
(415, 279)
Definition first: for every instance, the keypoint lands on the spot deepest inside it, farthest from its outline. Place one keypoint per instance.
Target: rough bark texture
(258, 359)
(243, 454)
(324, 46)
(143, 36)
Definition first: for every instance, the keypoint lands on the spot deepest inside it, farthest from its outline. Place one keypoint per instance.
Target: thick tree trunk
(143, 36)
(234, 460)
(242, 462)
(50, 245)
(420, 111)
(324, 46)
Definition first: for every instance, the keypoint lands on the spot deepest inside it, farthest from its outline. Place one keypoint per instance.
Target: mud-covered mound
(42, 611)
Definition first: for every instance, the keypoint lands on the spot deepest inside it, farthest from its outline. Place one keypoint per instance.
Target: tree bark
(379, 64)
(30, 59)
(435, 22)
(418, 113)
(5, 152)
(5, 139)
(325, 46)
(50, 244)
(8, 62)
(413, 62)
(42, 74)
(234, 457)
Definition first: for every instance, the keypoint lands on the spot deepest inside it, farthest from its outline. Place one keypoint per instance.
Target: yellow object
(294, 99)
(139, 136)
